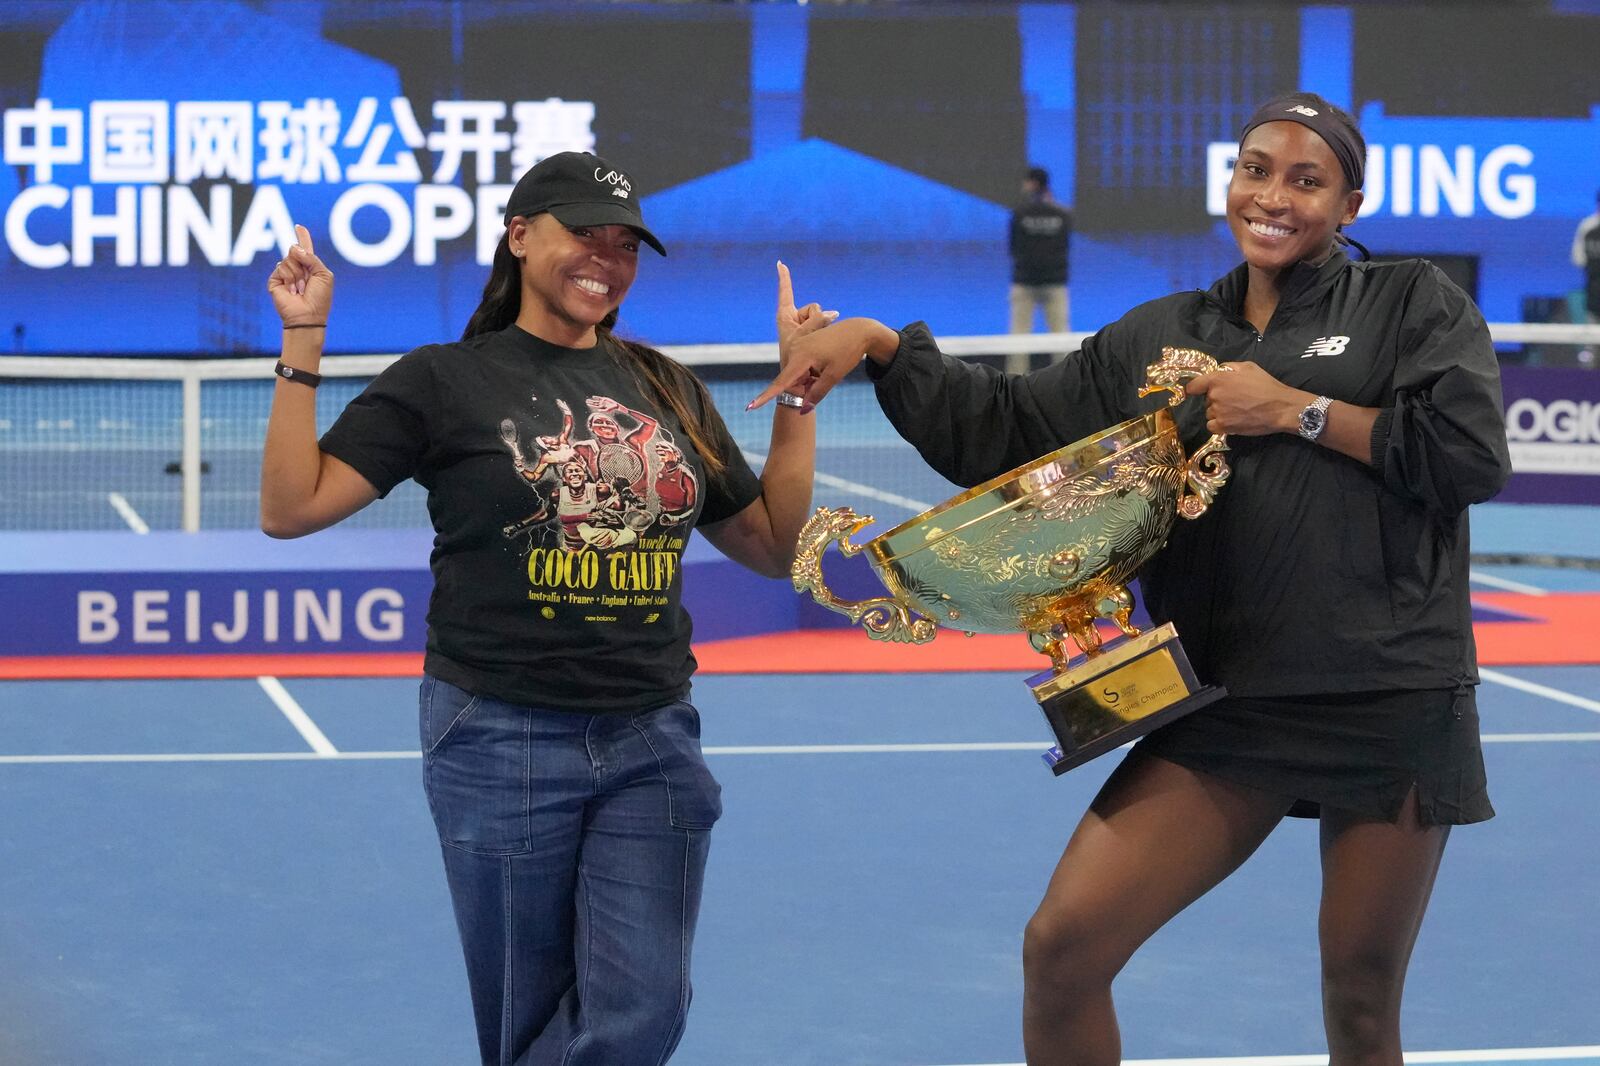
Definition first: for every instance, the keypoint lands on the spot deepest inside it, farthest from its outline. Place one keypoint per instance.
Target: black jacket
(1312, 572)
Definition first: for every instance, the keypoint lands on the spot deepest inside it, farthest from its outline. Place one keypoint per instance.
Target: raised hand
(301, 285)
(794, 322)
(802, 365)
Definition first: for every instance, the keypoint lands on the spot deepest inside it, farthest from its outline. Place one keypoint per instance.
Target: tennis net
(91, 443)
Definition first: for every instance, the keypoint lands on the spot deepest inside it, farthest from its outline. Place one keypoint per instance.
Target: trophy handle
(883, 617)
(1207, 470)
(1205, 473)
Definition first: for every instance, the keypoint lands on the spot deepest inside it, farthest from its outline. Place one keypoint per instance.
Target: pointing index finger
(786, 379)
(785, 290)
(302, 237)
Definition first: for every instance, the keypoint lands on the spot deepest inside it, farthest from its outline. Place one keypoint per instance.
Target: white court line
(914, 506)
(835, 482)
(1535, 738)
(1510, 1054)
(1517, 1054)
(1539, 690)
(875, 749)
(297, 716)
(213, 756)
(129, 515)
(1506, 584)
(751, 749)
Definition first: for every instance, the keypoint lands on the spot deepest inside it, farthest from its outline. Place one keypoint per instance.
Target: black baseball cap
(580, 189)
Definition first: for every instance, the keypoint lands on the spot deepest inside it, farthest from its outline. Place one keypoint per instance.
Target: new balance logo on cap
(1302, 109)
(579, 189)
(1326, 346)
(623, 185)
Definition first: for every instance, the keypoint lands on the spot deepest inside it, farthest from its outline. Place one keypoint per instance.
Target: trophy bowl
(1047, 550)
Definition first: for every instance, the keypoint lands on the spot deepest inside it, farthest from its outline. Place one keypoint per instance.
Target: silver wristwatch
(1314, 418)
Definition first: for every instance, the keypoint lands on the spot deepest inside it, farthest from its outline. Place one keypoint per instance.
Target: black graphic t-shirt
(561, 496)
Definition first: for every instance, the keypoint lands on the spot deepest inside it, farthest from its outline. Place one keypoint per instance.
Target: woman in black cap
(1326, 589)
(562, 761)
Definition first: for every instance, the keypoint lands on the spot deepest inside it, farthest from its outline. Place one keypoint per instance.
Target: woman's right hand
(301, 285)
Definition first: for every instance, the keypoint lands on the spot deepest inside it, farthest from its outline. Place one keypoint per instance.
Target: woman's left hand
(301, 285)
(1246, 401)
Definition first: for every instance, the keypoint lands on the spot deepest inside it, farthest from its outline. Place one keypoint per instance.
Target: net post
(190, 463)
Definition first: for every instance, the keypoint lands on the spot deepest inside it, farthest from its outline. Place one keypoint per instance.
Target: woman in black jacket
(1326, 589)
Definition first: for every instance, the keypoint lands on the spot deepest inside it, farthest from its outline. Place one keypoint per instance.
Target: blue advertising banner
(157, 182)
(232, 592)
(1553, 424)
(215, 613)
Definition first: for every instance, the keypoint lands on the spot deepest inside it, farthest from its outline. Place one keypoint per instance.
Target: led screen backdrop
(149, 182)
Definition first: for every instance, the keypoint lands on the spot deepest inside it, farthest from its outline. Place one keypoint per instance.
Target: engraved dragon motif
(883, 617)
(1176, 368)
(1207, 469)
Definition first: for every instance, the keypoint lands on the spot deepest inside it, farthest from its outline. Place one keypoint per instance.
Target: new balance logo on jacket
(1326, 346)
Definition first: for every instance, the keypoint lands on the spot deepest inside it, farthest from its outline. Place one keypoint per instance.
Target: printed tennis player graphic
(599, 495)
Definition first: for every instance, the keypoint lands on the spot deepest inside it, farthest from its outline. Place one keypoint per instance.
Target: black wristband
(299, 377)
(308, 325)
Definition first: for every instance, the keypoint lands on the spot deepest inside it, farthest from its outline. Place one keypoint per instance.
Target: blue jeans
(575, 847)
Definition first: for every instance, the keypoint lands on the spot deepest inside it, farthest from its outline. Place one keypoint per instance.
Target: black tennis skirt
(1360, 752)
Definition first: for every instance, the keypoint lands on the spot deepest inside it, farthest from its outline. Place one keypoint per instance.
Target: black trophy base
(1061, 761)
(1119, 696)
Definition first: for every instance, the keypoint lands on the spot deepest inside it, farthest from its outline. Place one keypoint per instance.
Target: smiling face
(571, 278)
(1287, 197)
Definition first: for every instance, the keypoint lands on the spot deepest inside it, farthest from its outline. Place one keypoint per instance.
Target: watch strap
(296, 375)
(1314, 417)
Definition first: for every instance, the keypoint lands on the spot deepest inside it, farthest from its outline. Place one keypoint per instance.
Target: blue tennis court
(244, 871)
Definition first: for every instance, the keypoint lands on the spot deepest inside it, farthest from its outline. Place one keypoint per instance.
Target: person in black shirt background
(1040, 233)
(1326, 588)
(561, 759)
(1586, 257)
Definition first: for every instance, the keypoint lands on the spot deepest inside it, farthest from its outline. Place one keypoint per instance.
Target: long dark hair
(502, 294)
(669, 381)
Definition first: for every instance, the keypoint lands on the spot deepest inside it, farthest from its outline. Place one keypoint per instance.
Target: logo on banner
(144, 159)
(1554, 437)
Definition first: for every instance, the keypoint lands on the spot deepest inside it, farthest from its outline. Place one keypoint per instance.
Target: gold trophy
(1046, 550)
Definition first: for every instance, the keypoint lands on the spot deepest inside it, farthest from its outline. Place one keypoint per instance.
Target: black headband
(1321, 122)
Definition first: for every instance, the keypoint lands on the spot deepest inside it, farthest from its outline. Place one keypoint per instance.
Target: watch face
(1312, 420)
